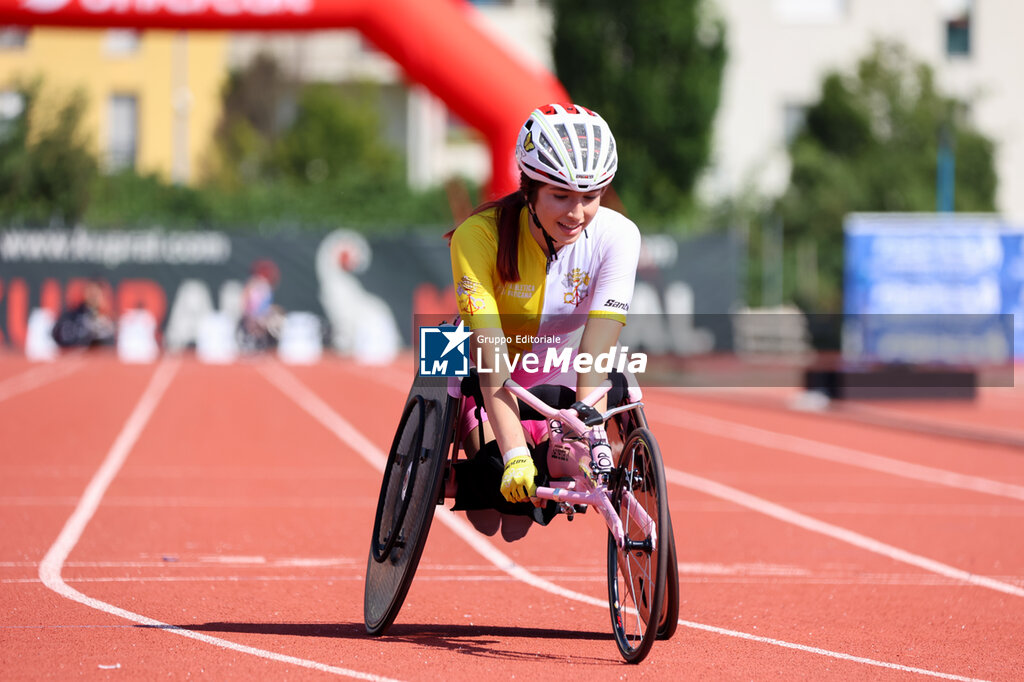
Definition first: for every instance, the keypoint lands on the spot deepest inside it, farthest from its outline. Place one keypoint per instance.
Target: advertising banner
(365, 289)
(940, 288)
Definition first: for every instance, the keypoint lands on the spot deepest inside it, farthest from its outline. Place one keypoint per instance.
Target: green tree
(46, 165)
(309, 155)
(871, 143)
(653, 70)
(258, 105)
(335, 138)
(128, 199)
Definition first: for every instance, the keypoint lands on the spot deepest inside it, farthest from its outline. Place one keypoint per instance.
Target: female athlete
(540, 270)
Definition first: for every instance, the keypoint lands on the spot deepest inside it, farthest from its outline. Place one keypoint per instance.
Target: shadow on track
(481, 640)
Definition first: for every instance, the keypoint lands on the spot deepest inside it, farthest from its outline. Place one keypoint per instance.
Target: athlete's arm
(502, 408)
(619, 254)
(518, 478)
(600, 335)
(474, 258)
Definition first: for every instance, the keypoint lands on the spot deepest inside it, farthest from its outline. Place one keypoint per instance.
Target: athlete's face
(563, 213)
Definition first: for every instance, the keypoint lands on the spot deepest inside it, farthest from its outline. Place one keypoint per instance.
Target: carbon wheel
(670, 611)
(399, 481)
(409, 492)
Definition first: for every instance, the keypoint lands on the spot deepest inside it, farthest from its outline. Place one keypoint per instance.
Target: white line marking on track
(362, 446)
(52, 564)
(795, 518)
(684, 419)
(36, 377)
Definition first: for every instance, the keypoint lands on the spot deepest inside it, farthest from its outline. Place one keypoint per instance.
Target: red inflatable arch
(437, 43)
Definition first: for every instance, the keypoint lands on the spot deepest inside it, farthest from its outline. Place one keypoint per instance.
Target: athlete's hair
(506, 215)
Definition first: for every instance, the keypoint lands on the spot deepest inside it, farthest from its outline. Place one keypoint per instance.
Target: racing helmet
(568, 146)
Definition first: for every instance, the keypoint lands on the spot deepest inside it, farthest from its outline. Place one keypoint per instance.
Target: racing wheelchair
(611, 462)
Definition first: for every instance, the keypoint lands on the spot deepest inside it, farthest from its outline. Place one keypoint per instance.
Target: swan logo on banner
(180, 7)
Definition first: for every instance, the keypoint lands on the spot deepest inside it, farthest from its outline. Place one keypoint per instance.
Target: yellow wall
(166, 62)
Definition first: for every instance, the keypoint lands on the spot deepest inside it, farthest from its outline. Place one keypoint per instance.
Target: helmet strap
(552, 255)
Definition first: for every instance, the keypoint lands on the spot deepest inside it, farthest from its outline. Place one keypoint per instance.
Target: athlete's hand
(517, 481)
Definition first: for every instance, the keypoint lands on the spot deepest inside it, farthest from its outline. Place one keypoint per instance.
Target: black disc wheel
(411, 484)
(637, 571)
(399, 481)
(670, 610)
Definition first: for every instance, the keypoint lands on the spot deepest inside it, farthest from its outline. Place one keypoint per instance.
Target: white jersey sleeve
(618, 251)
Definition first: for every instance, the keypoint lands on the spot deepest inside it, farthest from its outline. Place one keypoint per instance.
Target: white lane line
(795, 518)
(376, 457)
(52, 564)
(36, 377)
(684, 419)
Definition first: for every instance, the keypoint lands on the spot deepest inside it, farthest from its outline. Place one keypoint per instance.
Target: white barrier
(136, 337)
(301, 341)
(39, 343)
(215, 339)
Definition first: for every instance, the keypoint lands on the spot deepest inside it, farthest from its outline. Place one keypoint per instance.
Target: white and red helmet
(568, 146)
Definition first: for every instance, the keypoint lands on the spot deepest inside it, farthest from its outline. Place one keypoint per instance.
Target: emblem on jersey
(468, 292)
(577, 284)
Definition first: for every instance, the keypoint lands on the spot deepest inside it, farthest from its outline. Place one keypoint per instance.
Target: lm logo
(444, 351)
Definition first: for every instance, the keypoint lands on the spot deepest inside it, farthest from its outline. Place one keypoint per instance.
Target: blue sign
(939, 288)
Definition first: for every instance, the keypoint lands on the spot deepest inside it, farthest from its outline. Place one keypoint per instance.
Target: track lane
(50, 568)
(992, 460)
(972, 542)
(548, 531)
(204, 493)
(263, 614)
(54, 437)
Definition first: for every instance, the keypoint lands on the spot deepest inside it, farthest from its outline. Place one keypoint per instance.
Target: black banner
(364, 288)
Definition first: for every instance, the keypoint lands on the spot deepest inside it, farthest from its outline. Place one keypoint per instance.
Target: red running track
(189, 520)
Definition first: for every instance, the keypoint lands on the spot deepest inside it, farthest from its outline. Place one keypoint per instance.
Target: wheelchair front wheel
(637, 573)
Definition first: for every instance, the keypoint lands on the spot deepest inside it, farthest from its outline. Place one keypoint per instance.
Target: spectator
(88, 323)
(260, 326)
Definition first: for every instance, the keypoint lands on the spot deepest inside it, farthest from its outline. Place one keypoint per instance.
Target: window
(12, 105)
(958, 27)
(793, 118)
(121, 41)
(12, 37)
(122, 132)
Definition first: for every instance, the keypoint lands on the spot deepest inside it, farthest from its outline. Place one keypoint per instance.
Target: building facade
(779, 51)
(153, 96)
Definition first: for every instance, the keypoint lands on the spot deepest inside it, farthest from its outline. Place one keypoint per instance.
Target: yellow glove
(517, 481)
